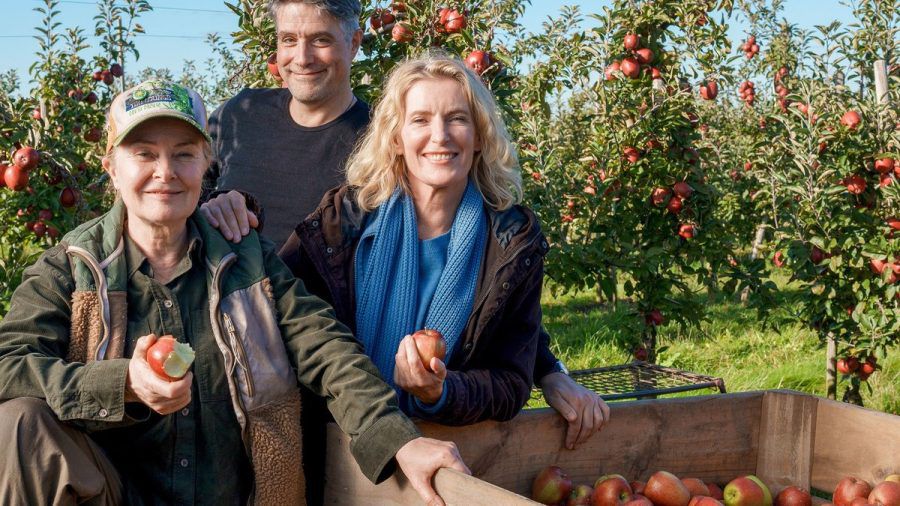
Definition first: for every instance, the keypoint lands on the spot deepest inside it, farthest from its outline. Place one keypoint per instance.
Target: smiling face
(437, 138)
(158, 170)
(314, 53)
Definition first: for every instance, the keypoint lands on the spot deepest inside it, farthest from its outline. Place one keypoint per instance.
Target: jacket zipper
(239, 352)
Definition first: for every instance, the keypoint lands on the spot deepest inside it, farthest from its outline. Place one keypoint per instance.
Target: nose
(439, 131)
(165, 168)
(301, 54)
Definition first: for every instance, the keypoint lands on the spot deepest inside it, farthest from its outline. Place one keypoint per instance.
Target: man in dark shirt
(286, 147)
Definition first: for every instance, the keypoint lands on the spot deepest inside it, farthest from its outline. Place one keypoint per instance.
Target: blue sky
(175, 34)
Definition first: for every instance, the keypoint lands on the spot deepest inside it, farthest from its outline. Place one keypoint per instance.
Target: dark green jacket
(256, 331)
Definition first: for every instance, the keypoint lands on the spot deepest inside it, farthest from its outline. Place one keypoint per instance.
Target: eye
(322, 41)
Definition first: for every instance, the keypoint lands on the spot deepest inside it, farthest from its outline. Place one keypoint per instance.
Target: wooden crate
(784, 437)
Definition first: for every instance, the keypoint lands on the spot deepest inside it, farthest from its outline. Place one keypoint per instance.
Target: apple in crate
(793, 496)
(696, 486)
(580, 496)
(743, 491)
(886, 493)
(665, 489)
(611, 490)
(704, 500)
(551, 486)
(170, 359)
(849, 489)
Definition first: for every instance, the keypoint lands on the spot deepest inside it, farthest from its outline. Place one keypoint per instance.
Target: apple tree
(50, 138)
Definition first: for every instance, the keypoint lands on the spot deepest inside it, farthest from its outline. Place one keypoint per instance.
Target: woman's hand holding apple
(145, 386)
(412, 376)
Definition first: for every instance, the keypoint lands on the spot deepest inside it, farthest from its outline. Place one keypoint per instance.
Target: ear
(355, 43)
(397, 144)
(110, 168)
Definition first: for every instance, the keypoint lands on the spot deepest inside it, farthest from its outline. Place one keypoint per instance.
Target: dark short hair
(347, 12)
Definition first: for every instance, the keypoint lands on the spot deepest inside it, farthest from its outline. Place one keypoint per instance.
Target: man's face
(314, 54)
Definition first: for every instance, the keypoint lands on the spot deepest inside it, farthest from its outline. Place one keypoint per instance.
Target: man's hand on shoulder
(228, 212)
(421, 458)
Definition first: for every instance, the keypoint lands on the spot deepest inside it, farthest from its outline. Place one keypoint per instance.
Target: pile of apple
(553, 486)
(673, 200)
(748, 94)
(15, 176)
(852, 365)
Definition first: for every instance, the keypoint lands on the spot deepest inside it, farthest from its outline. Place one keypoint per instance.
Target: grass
(732, 344)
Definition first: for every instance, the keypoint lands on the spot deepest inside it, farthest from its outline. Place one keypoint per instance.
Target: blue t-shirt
(432, 260)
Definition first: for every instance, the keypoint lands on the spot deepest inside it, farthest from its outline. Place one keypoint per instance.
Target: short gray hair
(347, 12)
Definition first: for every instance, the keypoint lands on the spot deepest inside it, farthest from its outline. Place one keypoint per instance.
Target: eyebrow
(454, 111)
(150, 143)
(321, 33)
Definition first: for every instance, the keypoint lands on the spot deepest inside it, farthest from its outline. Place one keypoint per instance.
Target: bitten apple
(170, 359)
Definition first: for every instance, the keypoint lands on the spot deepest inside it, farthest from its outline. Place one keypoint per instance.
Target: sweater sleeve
(331, 363)
(34, 339)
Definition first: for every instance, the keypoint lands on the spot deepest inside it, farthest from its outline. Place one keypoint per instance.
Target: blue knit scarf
(387, 269)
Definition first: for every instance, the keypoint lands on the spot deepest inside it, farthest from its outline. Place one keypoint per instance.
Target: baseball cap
(153, 99)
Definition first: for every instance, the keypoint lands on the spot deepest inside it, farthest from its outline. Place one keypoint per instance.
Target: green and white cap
(153, 99)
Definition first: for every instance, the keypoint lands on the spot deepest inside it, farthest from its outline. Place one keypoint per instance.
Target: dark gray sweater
(259, 149)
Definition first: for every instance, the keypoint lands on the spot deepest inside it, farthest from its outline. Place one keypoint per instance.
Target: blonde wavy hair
(375, 168)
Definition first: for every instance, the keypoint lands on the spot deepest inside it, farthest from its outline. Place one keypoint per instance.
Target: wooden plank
(853, 441)
(711, 437)
(464, 490)
(786, 436)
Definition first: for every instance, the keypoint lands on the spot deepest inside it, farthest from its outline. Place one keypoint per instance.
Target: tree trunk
(754, 254)
(830, 376)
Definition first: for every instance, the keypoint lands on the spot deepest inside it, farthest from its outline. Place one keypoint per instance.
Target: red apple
(640, 353)
(715, 492)
(644, 55)
(455, 22)
(107, 77)
(116, 70)
(764, 487)
(401, 33)
(272, 67)
(683, 190)
(817, 255)
(551, 486)
(15, 178)
(855, 184)
(630, 67)
(660, 196)
(68, 197)
(170, 359)
(851, 119)
(675, 205)
(793, 496)
(743, 491)
(695, 486)
(612, 67)
(884, 165)
(611, 490)
(654, 317)
(631, 154)
(849, 489)
(632, 41)
(638, 486)
(478, 61)
(27, 158)
(886, 493)
(686, 231)
(430, 344)
(709, 90)
(580, 496)
(869, 366)
(638, 500)
(704, 500)
(665, 489)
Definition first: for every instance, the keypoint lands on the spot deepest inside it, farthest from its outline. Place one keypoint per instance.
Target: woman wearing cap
(84, 417)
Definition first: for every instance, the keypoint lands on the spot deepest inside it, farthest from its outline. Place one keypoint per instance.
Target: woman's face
(158, 170)
(437, 138)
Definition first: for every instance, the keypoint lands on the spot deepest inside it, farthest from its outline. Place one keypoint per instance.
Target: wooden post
(830, 376)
